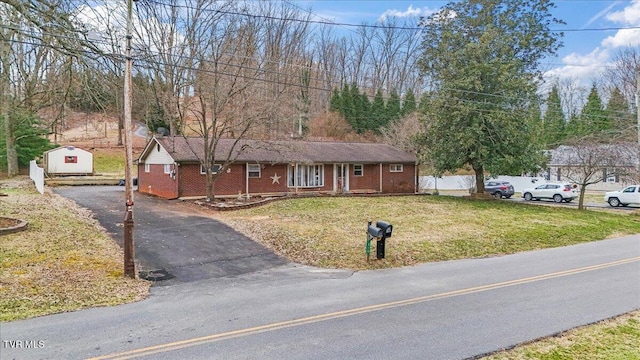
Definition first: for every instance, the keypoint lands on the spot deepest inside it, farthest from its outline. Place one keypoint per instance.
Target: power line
(290, 84)
(350, 25)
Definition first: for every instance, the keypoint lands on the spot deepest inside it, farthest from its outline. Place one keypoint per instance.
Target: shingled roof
(621, 155)
(190, 149)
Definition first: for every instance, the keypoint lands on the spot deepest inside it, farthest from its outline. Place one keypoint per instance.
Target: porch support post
(381, 169)
(246, 179)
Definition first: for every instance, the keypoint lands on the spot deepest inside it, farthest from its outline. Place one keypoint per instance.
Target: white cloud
(410, 12)
(624, 37)
(629, 16)
(588, 67)
(578, 66)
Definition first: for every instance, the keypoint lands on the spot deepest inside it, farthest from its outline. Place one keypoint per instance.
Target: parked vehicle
(499, 189)
(557, 192)
(624, 197)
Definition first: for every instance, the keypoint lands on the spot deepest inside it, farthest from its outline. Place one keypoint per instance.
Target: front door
(341, 178)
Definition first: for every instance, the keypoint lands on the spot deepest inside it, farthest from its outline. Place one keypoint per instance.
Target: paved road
(446, 310)
(169, 237)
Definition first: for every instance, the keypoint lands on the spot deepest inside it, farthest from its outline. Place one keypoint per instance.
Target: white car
(554, 191)
(624, 197)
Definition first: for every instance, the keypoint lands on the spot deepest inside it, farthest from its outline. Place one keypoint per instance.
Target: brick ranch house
(170, 167)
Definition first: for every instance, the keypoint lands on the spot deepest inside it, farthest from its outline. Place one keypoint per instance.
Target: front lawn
(331, 231)
(63, 261)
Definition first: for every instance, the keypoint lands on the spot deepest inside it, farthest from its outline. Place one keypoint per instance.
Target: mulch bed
(9, 225)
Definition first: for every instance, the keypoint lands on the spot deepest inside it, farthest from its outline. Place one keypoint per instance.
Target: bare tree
(39, 43)
(235, 86)
(573, 96)
(402, 133)
(623, 74)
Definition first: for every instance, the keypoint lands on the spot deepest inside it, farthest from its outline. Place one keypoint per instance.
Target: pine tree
(352, 112)
(618, 111)
(346, 108)
(392, 109)
(408, 103)
(377, 110)
(593, 118)
(335, 103)
(554, 121)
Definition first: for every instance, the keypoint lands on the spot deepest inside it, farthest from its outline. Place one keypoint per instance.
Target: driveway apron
(170, 239)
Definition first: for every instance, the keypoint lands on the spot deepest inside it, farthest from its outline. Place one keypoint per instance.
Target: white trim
(249, 171)
(396, 168)
(313, 172)
(361, 170)
(214, 171)
(147, 167)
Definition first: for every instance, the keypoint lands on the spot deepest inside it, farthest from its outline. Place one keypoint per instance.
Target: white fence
(466, 182)
(36, 174)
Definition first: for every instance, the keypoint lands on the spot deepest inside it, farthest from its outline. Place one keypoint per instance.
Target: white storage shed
(68, 160)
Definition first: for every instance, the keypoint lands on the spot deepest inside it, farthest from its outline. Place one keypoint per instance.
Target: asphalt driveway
(172, 238)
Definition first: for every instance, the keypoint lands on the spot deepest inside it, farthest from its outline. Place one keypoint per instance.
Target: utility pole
(129, 254)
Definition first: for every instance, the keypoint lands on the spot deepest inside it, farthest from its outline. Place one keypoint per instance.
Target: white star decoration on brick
(275, 179)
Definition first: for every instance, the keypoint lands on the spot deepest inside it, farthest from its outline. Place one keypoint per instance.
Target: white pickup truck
(624, 197)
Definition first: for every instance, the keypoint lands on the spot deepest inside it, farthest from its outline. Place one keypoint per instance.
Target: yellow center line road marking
(344, 313)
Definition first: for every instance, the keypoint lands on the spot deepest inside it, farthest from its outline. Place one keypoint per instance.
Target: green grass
(64, 261)
(109, 161)
(330, 232)
(612, 339)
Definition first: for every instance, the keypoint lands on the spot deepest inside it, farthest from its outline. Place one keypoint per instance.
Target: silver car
(554, 191)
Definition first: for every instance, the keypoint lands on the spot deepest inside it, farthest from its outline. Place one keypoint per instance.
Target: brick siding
(156, 182)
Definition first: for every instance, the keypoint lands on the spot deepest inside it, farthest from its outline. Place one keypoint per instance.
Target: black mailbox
(374, 231)
(386, 228)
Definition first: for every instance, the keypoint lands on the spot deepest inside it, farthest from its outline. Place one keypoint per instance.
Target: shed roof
(191, 149)
(67, 148)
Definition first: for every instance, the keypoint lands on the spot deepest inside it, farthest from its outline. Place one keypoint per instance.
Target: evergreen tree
(377, 110)
(593, 114)
(335, 103)
(392, 109)
(618, 111)
(554, 122)
(354, 113)
(31, 141)
(408, 103)
(364, 110)
(473, 49)
(346, 105)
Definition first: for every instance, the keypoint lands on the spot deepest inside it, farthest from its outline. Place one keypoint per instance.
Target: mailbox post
(387, 230)
(381, 232)
(372, 232)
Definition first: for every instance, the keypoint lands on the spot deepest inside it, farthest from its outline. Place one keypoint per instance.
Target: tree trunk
(479, 171)
(12, 153)
(120, 129)
(211, 192)
(581, 198)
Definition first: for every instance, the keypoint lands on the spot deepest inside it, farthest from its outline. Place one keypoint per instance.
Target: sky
(586, 51)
